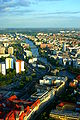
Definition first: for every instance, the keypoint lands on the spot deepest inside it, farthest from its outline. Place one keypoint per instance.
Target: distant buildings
(25, 46)
(10, 50)
(19, 66)
(45, 45)
(2, 50)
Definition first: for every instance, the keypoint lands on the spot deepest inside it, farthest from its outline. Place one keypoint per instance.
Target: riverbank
(35, 53)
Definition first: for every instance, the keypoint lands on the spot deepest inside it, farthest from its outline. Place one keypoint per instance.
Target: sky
(39, 13)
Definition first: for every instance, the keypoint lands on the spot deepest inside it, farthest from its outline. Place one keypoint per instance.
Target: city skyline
(39, 13)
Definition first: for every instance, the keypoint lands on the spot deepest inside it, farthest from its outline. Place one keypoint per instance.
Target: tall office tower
(19, 66)
(64, 47)
(9, 63)
(3, 68)
(10, 50)
(2, 50)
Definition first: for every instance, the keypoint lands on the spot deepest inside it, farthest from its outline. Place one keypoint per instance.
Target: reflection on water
(35, 52)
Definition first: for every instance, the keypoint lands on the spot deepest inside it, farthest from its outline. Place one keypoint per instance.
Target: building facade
(2, 50)
(3, 68)
(10, 50)
(9, 63)
(19, 66)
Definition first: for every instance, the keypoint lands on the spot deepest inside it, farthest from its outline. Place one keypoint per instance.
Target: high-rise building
(64, 47)
(3, 68)
(9, 63)
(10, 50)
(19, 66)
(2, 50)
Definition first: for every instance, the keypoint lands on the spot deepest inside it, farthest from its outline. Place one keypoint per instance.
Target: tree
(21, 84)
(30, 78)
(33, 74)
(27, 79)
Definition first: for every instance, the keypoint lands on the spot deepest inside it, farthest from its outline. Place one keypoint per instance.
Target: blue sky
(39, 13)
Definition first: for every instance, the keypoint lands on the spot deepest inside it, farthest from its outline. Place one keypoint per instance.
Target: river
(35, 53)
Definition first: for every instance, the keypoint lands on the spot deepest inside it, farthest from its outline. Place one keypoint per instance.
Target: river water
(35, 53)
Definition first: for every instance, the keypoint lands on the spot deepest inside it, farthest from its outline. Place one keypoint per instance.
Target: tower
(64, 46)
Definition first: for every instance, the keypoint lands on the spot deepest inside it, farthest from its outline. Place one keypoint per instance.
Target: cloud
(6, 5)
(66, 12)
(11, 6)
(23, 7)
(50, 0)
(14, 3)
(60, 13)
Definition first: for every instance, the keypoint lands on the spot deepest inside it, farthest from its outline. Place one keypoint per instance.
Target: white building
(3, 68)
(28, 53)
(64, 61)
(19, 66)
(32, 60)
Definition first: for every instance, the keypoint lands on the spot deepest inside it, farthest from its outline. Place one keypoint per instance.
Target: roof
(18, 60)
(78, 77)
(64, 103)
(12, 98)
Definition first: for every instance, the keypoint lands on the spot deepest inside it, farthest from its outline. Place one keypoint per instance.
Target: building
(64, 47)
(2, 50)
(5, 44)
(64, 61)
(42, 46)
(78, 63)
(32, 60)
(49, 80)
(28, 53)
(10, 50)
(9, 63)
(4, 55)
(65, 110)
(19, 66)
(3, 68)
